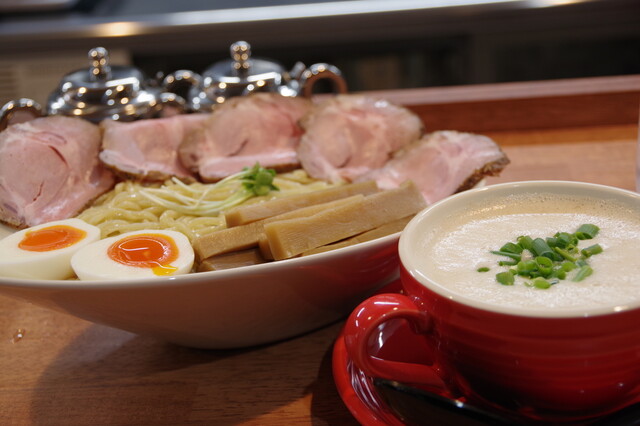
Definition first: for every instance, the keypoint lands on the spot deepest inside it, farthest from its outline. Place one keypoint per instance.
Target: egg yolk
(152, 251)
(51, 238)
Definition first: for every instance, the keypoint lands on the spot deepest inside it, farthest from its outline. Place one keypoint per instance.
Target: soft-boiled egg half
(137, 254)
(44, 251)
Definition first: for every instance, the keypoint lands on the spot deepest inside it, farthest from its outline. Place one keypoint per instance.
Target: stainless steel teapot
(100, 92)
(242, 74)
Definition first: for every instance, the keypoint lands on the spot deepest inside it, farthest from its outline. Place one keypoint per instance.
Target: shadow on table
(108, 376)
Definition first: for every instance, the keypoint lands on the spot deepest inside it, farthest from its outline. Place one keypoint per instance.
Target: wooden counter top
(56, 369)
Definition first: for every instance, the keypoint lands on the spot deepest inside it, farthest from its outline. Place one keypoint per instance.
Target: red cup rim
(543, 185)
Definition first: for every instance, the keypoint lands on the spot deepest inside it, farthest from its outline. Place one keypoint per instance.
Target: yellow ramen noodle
(127, 208)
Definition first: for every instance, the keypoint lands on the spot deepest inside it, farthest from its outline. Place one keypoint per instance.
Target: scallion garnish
(483, 269)
(511, 248)
(565, 254)
(583, 273)
(526, 267)
(544, 265)
(546, 261)
(505, 278)
(541, 283)
(525, 242)
(559, 274)
(591, 250)
(541, 248)
(514, 256)
(564, 239)
(587, 231)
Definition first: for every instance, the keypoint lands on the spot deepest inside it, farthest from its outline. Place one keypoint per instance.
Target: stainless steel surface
(104, 91)
(24, 106)
(243, 74)
(99, 92)
(377, 44)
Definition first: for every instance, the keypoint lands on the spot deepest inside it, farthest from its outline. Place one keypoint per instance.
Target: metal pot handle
(9, 109)
(321, 71)
(179, 78)
(173, 101)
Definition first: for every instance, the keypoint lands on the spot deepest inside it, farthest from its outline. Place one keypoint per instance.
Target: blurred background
(378, 44)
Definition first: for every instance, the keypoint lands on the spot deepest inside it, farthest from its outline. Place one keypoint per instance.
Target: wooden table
(56, 369)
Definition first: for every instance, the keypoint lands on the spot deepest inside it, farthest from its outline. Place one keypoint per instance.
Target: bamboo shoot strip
(381, 231)
(235, 259)
(288, 238)
(247, 236)
(253, 212)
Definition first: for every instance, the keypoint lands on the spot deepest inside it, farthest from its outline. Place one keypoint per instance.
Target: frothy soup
(450, 251)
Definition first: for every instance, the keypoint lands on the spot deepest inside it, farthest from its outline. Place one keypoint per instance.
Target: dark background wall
(439, 46)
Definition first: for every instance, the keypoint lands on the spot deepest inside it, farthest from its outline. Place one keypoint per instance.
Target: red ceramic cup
(555, 366)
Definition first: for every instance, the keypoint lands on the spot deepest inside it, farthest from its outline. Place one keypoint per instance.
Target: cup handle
(363, 324)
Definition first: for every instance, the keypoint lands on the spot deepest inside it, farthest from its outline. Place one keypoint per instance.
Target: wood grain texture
(56, 369)
(525, 106)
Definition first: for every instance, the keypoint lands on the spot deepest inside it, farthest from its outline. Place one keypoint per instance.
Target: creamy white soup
(452, 252)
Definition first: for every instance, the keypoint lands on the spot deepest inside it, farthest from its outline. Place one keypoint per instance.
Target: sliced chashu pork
(148, 149)
(348, 136)
(442, 163)
(262, 127)
(49, 170)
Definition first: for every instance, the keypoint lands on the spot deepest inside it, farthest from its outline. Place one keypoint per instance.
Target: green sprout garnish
(255, 181)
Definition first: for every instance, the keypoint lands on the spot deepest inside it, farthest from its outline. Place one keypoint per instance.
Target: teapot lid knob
(100, 70)
(241, 55)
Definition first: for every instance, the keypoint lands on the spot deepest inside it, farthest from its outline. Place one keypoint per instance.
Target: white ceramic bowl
(230, 308)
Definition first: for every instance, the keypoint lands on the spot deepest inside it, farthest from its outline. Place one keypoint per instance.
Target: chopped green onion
(514, 256)
(483, 269)
(565, 254)
(511, 248)
(564, 239)
(545, 265)
(543, 261)
(541, 283)
(526, 267)
(591, 250)
(583, 273)
(587, 231)
(505, 278)
(548, 260)
(525, 242)
(541, 248)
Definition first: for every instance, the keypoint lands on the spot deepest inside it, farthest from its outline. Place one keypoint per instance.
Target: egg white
(47, 265)
(93, 262)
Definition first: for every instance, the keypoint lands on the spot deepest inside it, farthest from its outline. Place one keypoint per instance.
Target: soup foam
(451, 251)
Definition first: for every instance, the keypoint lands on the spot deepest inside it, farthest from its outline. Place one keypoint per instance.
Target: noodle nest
(129, 207)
